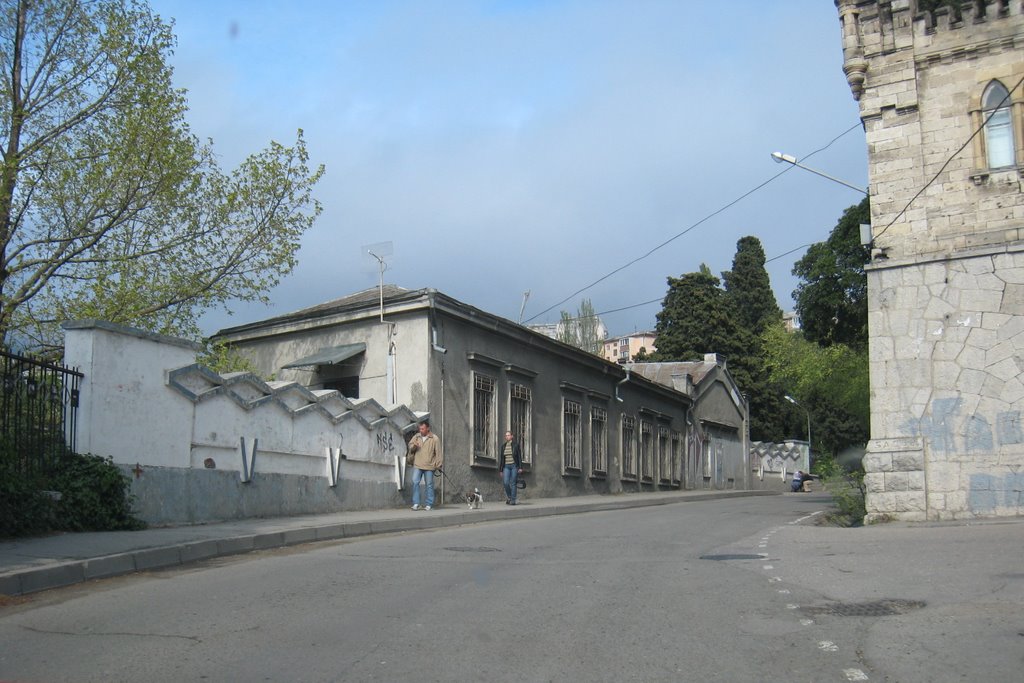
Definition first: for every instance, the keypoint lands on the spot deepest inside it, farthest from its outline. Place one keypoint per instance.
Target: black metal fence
(38, 411)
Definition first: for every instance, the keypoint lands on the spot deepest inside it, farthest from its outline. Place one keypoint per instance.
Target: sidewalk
(35, 564)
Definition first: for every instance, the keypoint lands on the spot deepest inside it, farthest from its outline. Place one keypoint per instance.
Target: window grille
(646, 452)
(483, 416)
(520, 420)
(628, 454)
(664, 463)
(571, 435)
(598, 438)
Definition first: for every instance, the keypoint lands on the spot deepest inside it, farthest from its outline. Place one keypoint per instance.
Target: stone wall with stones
(946, 284)
(947, 347)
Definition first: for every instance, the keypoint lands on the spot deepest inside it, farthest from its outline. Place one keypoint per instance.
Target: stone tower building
(939, 87)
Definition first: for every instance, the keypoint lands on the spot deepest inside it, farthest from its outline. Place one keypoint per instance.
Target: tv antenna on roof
(376, 253)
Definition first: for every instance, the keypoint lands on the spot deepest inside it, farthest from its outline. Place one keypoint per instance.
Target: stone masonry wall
(946, 285)
(947, 355)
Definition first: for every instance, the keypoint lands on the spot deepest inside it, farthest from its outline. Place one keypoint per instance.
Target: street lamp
(794, 402)
(779, 157)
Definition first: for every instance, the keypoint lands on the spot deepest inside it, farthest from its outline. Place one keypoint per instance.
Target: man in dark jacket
(510, 466)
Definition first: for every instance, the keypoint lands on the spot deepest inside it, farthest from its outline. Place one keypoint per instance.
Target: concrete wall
(179, 428)
(945, 288)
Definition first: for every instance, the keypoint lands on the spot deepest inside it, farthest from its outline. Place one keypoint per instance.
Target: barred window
(628, 455)
(646, 451)
(571, 435)
(520, 422)
(677, 457)
(664, 455)
(483, 416)
(598, 440)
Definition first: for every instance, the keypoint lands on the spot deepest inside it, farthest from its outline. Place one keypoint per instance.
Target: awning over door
(329, 355)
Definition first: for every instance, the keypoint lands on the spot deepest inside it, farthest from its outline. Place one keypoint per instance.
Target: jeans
(509, 474)
(428, 478)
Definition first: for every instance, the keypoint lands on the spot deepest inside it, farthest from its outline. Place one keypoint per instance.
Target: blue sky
(505, 146)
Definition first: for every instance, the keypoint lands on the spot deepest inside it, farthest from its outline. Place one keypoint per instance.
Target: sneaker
(415, 507)
(427, 508)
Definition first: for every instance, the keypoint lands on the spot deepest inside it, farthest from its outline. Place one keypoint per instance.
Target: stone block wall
(947, 357)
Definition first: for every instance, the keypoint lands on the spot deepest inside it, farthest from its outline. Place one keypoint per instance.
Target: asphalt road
(604, 596)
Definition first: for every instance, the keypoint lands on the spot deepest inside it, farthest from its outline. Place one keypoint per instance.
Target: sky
(506, 146)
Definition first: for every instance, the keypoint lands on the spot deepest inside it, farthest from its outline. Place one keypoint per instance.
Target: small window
(483, 416)
(571, 435)
(646, 452)
(346, 386)
(520, 418)
(999, 144)
(598, 449)
(628, 439)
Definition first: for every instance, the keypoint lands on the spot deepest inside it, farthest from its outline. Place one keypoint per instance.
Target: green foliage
(221, 356)
(749, 287)
(109, 206)
(832, 297)
(582, 331)
(837, 374)
(24, 509)
(94, 496)
(699, 317)
(847, 490)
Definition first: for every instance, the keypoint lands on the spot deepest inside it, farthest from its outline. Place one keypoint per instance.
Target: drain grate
(878, 608)
(719, 558)
(473, 549)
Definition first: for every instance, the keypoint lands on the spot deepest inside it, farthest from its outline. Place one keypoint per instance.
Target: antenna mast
(526, 297)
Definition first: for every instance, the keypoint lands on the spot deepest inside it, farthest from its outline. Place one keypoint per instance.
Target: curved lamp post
(779, 158)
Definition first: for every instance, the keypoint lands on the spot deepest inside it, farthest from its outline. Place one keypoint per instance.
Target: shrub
(847, 489)
(95, 495)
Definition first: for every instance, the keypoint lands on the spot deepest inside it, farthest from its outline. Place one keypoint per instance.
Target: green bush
(94, 496)
(847, 489)
(24, 509)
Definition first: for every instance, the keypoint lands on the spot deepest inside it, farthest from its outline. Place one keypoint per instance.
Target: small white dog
(474, 500)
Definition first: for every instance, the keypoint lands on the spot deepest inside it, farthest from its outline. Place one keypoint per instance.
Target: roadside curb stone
(57, 574)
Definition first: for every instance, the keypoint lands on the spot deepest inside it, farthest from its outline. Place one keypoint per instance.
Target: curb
(24, 581)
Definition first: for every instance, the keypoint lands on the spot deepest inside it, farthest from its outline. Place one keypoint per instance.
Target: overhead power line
(691, 227)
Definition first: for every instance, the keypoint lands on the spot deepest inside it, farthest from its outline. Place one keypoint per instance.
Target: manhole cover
(878, 608)
(473, 549)
(732, 557)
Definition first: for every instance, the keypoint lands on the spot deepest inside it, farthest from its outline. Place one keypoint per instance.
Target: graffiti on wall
(989, 492)
(948, 430)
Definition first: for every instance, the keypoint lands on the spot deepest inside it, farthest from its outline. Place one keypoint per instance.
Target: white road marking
(784, 591)
(855, 675)
(792, 606)
(806, 622)
(828, 646)
(768, 566)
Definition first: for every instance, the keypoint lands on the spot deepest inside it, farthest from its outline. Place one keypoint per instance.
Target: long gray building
(587, 425)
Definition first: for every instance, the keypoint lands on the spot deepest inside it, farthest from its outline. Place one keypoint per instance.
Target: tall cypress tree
(696, 318)
(748, 286)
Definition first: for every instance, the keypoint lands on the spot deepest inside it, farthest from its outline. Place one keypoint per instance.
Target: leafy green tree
(109, 206)
(582, 331)
(697, 318)
(748, 285)
(830, 382)
(832, 299)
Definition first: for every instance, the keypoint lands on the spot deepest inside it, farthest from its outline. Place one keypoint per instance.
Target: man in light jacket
(425, 458)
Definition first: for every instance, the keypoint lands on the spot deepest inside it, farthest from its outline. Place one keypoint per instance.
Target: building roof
(662, 373)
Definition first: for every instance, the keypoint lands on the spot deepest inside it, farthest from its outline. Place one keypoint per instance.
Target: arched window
(999, 129)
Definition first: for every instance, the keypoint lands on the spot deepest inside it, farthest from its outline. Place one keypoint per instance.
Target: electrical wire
(691, 227)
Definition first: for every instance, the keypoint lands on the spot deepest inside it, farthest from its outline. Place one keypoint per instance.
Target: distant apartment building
(577, 331)
(791, 321)
(624, 349)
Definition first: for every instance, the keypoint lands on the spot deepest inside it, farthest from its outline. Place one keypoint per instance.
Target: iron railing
(38, 412)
